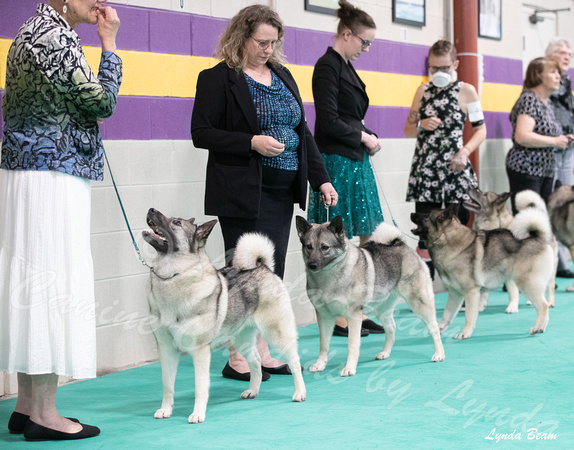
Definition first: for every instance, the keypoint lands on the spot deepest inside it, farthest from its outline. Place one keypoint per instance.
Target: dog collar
(163, 278)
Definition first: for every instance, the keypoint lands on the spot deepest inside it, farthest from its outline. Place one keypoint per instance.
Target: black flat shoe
(565, 273)
(231, 373)
(374, 328)
(35, 432)
(344, 331)
(18, 421)
(281, 370)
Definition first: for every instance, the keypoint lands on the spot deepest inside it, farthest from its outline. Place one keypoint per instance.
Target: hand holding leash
(329, 195)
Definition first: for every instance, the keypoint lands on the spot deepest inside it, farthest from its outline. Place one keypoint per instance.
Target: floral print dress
(430, 179)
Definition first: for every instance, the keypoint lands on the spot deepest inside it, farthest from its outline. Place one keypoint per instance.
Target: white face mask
(440, 79)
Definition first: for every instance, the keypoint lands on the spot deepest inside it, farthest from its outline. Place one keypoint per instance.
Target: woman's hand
(561, 142)
(329, 195)
(431, 123)
(371, 142)
(108, 26)
(267, 146)
(459, 161)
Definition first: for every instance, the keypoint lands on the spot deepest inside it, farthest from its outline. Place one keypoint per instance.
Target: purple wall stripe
(502, 70)
(497, 125)
(153, 30)
(168, 118)
(149, 118)
(205, 32)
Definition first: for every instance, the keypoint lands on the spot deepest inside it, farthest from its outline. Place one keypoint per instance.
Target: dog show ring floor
(502, 387)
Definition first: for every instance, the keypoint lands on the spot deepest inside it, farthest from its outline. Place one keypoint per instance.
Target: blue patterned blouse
(52, 100)
(279, 114)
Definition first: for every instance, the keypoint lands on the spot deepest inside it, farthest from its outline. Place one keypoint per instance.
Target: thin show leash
(388, 207)
(140, 257)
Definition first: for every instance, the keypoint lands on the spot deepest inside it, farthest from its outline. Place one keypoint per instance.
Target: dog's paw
(570, 289)
(163, 413)
(438, 357)
(551, 305)
(528, 303)
(300, 396)
(481, 308)
(535, 330)
(196, 418)
(512, 309)
(249, 393)
(382, 355)
(317, 367)
(348, 372)
(463, 335)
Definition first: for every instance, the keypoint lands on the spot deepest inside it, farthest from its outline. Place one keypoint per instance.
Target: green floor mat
(499, 385)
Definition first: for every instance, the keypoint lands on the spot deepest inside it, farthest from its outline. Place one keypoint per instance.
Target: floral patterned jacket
(53, 100)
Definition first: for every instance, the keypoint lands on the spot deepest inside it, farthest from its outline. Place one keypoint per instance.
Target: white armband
(475, 113)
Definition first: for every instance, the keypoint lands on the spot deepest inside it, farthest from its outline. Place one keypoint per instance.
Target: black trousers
(520, 182)
(275, 216)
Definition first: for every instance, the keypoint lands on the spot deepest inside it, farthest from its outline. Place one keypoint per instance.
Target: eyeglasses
(435, 69)
(364, 43)
(264, 45)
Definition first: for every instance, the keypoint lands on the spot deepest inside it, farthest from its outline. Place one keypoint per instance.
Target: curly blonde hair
(241, 27)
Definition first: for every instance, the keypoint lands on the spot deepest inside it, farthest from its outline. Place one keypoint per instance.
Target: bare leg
(43, 403)
(266, 359)
(239, 363)
(24, 402)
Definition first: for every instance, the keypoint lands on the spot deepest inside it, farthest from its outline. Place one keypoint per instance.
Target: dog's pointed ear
(202, 233)
(453, 209)
(558, 185)
(336, 226)
(302, 226)
(450, 212)
(192, 220)
(501, 200)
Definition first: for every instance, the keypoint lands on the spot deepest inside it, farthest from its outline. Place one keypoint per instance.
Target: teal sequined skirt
(358, 202)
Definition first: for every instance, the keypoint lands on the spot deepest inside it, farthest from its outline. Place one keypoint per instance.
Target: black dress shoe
(230, 372)
(344, 331)
(18, 421)
(35, 432)
(374, 328)
(281, 370)
(565, 273)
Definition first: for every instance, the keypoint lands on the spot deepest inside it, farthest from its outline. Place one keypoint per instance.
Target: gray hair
(555, 44)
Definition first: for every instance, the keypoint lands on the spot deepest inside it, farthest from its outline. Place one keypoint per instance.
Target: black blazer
(341, 103)
(224, 120)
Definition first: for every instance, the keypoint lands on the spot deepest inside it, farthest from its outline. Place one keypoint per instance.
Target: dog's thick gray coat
(343, 279)
(196, 307)
(469, 261)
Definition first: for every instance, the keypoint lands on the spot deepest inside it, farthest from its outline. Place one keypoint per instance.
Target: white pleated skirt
(47, 306)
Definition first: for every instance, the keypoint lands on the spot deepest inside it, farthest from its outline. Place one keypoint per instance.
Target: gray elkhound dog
(342, 279)
(197, 307)
(490, 213)
(469, 261)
